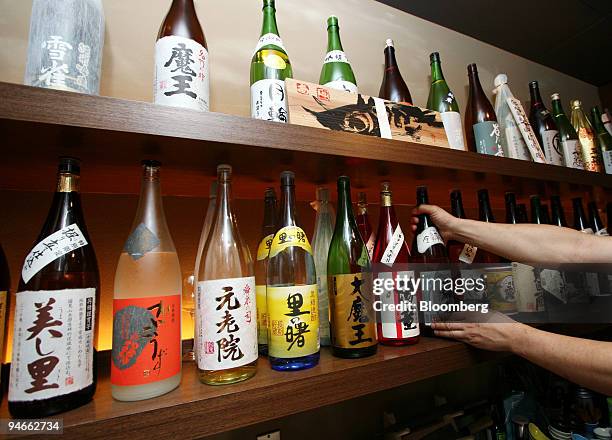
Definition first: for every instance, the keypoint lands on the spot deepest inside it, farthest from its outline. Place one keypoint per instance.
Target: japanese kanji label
(393, 247)
(227, 322)
(487, 137)
(262, 315)
(141, 241)
(607, 159)
(268, 39)
(293, 320)
(269, 99)
(52, 343)
(146, 339)
(398, 315)
(264, 247)
(468, 253)
(335, 56)
(552, 149)
(52, 247)
(287, 237)
(427, 238)
(453, 128)
(342, 85)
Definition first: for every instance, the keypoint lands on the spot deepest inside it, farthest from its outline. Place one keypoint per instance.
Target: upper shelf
(37, 125)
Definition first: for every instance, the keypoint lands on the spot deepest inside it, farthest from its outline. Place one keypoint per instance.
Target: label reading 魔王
(293, 317)
(140, 241)
(572, 154)
(552, 151)
(393, 247)
(181, 73)
(607, 158)
(269, 100)
(269, 39)
(397, 314)
(52, 247)
(453, 129)
(146, 339)
(427, 238)
(287, 237)
(227, 323)
(262, 314)
(52, 343)
(351, 310)
(468, 253)
(487, 138)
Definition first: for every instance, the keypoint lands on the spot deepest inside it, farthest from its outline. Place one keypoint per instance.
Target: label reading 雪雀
(552, 152)
(453, 129)
(52, 344)
(572, 154)
(487, 138)
(269, 100)
(146, 339)
(351, 310)
(181, 73)
(427, 238)
(293, 316)
(227, 322)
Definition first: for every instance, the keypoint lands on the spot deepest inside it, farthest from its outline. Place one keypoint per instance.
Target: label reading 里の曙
(293, 316)
(262, 314)
(428, 238)
(468, 253)
(572, 153)
(52, 343)
(345, 86)
(397, 313)
(52, 247)
(181, 73)
(453, 129)
(269, 39)
(269, 100)
(552, 151)
(487, 138)
(287, 237)
(227, 322)
(393, 247)
(140, 241)
(146, 339)
(351, 310)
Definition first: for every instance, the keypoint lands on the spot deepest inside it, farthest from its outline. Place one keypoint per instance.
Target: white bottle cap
(500, 79)
(389, 42)
(554, 96)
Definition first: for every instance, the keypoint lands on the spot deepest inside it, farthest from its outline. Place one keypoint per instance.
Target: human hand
(445, 222)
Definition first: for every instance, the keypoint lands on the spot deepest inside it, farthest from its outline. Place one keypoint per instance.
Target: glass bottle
(604, 139)
(568, 139)
(587, 138)
(459, 252)
(146, 355)
(59, 278)
(292, 290)
(5, 299)
(270, 67)
(181, 60)
(536, 210)
(353, 325)
(393, 87)
(521, 213)
(336, 72)
(363, 223)
(512, 139)
(580, 221)
(225, 307)
(544, 127)
(511, 208)
(557, 212)
(595, 221)
(485, 214)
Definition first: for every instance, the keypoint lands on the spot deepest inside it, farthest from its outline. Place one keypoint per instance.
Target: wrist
(521, 338)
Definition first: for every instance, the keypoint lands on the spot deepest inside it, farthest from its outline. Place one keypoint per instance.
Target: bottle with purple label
(544, 127)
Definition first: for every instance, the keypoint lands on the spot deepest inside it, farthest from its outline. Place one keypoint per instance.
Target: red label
(146, 339)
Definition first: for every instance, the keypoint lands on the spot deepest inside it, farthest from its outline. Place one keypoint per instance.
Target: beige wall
(232, 29)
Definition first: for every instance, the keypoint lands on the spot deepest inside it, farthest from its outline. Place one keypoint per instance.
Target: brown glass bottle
(393, 87)
(481, 127)
(544, 127)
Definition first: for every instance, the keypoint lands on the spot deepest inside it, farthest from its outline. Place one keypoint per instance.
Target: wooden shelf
(195, 410)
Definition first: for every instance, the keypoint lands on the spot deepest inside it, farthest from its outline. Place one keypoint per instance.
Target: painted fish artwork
(318, 106)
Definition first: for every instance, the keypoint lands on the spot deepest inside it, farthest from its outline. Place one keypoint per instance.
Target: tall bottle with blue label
(336, 71)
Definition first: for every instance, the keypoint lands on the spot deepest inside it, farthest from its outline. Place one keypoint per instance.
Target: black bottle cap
(510, 196)
(269, 193)
(472, 68)
(434, 57)
(287, 178)
(422, 198)
(483, 194)
(71, 165)
(533, 84)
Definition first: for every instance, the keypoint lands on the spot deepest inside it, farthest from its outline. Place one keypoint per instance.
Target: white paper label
(515, 144)
(393, 247)
(602, 231)
(607, 158)
(572, 153)
(345, 86)
(551, 146)
(227, 320)
(468, 253)
(52, 343)
(269, 100)
(383, 119)
(428, 238)
(398, 324)
(181, 73)
(453, 129)
(52, 247)
(523, 123)
(335, 56)
(267, 39)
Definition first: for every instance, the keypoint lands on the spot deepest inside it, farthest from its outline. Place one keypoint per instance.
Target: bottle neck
(390, 61)
(345, 209)
(362, 209)
(436, 72)
(150, 208)
(182, 8)
(457, 206)
(475, 87)
(557, 107)
(269, 21)
(536, 99)
(536, 211)
(67, 182)
(579, 217)
(333, 38)
(484, 210)
(287, 216)
(595, 220)
(223, 209)
(66, 206)
(269, 213)
(511, 215)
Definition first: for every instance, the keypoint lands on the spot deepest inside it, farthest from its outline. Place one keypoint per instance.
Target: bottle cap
(483, 194)
(287, 178)
(555, 96)
(576, 103)
(533, 84)
(150, 163)
(224, 167)
(472, 68)
(224, 173)
(332, 20)
(389, 42)
(434, 57)
(323, 194)
(70, 165)
(270, 193)
(500, 79)
(385, 187)
(268, 3)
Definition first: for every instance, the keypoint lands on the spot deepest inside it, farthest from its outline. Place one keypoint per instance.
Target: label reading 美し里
(393, 247)
(146, 339)
(287, 237)
(397, 310)
(572, 154)
(227, 323)
(427, 238)
(262, 314)
(52, 344)
(453, 129)
(487, 138)
(293, 316)
(269, 39)
(351, 310)
(607, 159)
(551, 147)
(181, 73)
(269, 100)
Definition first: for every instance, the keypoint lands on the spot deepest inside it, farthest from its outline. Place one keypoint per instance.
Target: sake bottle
(293, 309)
(587, 138)
(363, 223)
(510, 135)
(146, 356)
(393, 87)
(568, 138)
(336, 71)
(544, 127)
(5, 298)
(604, 139)
(225, 298)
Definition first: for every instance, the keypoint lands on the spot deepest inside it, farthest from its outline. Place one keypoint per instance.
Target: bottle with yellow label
(292, 300)
(353, 327)
(261, 267)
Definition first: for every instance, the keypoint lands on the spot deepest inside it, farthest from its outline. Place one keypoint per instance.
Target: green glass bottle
(270, 67)
(442, 100)
(353, 327)
(587, 138)
(604, 138)
(568, 137)
(336, 72)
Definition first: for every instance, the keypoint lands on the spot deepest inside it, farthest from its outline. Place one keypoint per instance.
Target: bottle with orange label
(146, 355)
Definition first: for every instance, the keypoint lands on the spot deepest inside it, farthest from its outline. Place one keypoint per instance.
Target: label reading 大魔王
(572, 154)
(269, 100)
(227, 322)
(181, 73)
(287, 237)
(293, 317)
(552, 151)
(269, 39)
(262, 314)
(52, 247)
(487, 138)
(393, 247)
(140, 241)
(146, 339)
(607, 158)
(351, 310)
(427, 238)
(468, 253)
(52, 344)
(453, 129)
(397, 314)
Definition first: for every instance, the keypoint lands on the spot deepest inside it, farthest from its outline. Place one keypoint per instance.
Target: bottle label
(370, 244)
(602, 231)
(52, 247)
(528, 291)
(393, 247)
(269, 100)
(572, 154)
(500, 289)
(335, 56)
(516, 145)
(269, 39)
(287, 237)
(397, 309)
(262, 315)
(228, 323)
(487, 137)
(345, 86)
(324, 333)
(468, 253)
(552, 151)
(528, 135)
(429, 237)
(352, 313)
(181, 73)
(264, 247)
(294, 321)
(140, 241)
(52, 343)
(607, 157)
(590, 155)
(146, 339)
(453, 129)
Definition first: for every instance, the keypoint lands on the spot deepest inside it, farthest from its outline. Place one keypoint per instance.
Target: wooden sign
(314, 105)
